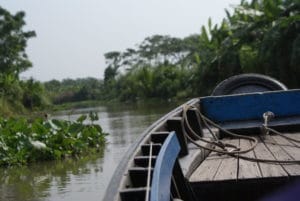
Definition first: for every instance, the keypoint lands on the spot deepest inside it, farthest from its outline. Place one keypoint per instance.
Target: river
(86, 177)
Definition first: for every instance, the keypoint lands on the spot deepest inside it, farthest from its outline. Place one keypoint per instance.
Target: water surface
(87, 177)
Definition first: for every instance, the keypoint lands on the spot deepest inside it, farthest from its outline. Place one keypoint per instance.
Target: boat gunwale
(118, 181)
(120, 176)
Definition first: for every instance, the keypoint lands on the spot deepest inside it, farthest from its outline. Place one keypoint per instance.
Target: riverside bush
(23, 142)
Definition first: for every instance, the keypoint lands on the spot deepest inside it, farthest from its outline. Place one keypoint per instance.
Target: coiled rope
(225, 148)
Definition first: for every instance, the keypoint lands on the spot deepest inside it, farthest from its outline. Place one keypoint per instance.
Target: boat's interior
(272, 163)
(221, 176)
(240, 147)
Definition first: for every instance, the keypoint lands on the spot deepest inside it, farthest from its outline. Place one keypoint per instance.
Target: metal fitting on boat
(267, 116)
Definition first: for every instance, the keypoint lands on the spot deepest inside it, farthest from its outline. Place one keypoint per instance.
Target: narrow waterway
(87, 177)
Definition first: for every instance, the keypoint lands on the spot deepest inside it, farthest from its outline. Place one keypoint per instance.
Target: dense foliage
(16, 95)
(261, 36)
(22, 142)
(69, 90)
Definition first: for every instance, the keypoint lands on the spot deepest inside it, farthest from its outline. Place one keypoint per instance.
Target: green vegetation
(259, 36)
(69, 90)
(16, 96)
(22, 142)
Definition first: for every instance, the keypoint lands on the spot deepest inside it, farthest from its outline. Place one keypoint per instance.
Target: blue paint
(161, 180)
(251, 106)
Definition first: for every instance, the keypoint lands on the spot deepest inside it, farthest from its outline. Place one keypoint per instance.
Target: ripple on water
(87, 177)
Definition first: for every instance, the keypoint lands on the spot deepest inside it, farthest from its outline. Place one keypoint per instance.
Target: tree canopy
(13, 40)
(16, 95)
(260, 36)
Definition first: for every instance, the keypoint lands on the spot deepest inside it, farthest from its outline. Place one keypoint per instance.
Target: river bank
(78, 178)
(24, 142)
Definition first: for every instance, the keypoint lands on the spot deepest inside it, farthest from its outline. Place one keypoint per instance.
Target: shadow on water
(87, 177)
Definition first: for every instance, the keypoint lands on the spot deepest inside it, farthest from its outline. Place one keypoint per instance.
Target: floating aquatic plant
(22, 142)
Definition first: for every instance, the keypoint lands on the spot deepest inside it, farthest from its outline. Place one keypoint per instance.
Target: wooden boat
(241, 143)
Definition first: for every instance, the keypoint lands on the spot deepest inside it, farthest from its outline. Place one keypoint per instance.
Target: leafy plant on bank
(23, 142)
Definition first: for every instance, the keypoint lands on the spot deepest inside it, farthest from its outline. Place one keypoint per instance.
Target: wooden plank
(196, 155)
(287, 142)
(217, 166)
(206, 171)
(227, 170)
(285, 151)
(207, 134)
(267, 169)
(216, 155)
(295, 136)
(247, 169)
(289, 147)
(223, 167)
(176, 124)
(228, 167)
(133, 194)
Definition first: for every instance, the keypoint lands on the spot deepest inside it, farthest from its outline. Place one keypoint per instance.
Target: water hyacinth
(23, 142)
(38, 145)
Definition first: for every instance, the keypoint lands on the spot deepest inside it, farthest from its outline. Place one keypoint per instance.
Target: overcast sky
(73, 35)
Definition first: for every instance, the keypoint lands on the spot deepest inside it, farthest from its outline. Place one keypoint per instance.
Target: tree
(33, 94)
(13, 40)
(266, 35)
(113, 60)
(260, 36)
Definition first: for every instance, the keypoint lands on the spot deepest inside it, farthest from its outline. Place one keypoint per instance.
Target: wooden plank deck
(246, 168)
(218, 167)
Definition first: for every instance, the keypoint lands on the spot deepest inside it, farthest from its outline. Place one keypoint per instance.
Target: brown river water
(88, 177)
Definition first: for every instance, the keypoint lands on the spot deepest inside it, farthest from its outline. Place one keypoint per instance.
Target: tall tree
(113, 60)
(13, 40)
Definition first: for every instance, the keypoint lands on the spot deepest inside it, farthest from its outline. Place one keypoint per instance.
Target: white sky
(73, 35)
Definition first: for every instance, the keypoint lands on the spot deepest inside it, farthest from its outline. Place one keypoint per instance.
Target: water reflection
(41, 181)
(88, 177)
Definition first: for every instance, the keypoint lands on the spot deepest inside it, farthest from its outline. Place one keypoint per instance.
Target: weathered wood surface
(217, 167)
(285, 150)
(212, 167)
(267, 169)
(247, 169)
(191, 161)
(228, 167)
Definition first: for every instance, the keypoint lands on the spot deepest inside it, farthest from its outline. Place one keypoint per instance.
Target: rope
(216, 142)
(282, 135)
(237, 151)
